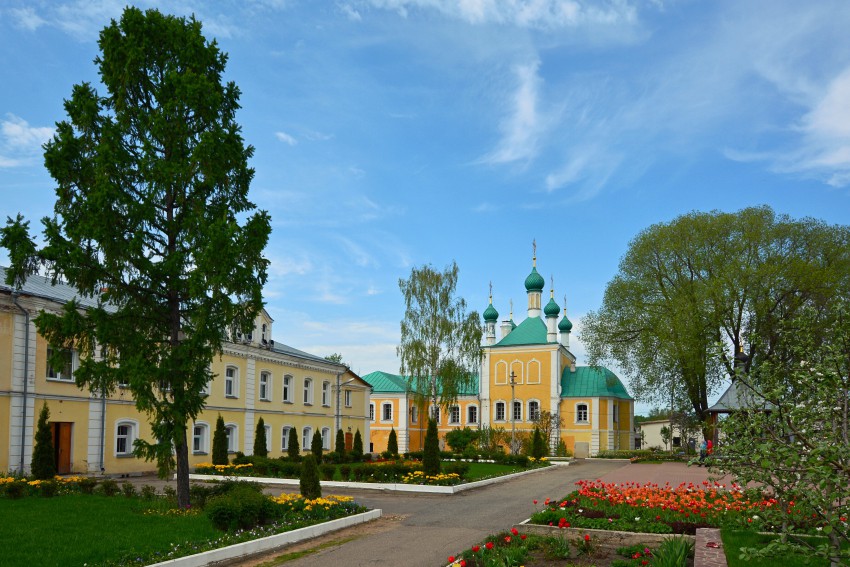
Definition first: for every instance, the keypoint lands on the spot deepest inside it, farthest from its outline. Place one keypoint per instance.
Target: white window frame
(517, 409)
(500, 405)
(326, 438)
(435, 413)
(52, 374)
(231, 382)
(347, 398)
(472, 414)
(414, 414)
(372, 411)
(284, 442)
(288, 379)
(232, 431)
(128, 437)
(454, 415)
(326, 394)
(386, 412)
(265, 387)
(578, 411)
(306, 438)
(200, 442)
(532, 415)
(308, 391)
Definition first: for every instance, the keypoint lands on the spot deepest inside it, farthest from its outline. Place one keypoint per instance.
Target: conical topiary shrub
(219, 448)
(340, 443)
(357, 446)
(293, 449)
(316, 447)
(538, 445)
(43, 463)
(431, 455)
(392, 443)
(260, 448)
(310, 486)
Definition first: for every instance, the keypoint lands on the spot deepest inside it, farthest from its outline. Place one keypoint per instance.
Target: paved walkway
(661, 473)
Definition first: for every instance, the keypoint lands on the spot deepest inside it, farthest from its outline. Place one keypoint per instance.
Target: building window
(387, 412)
(348, 398)
(231, 382)
(326, 438)
(454, 415)
(284, 441)
(306, 438)
(205, 391)
(616, 407)
(371, 412)
(517, 416)
(435, 413)
(326, 394)
(500, 411)
(65, 366)
(263, 336)
(534, 411)
(414, 414)
(125, 434)
(232, 438)
(287, 389)
(200, 437)
(265, 386)
(268, 429)
(308, 391)
(581, 413)
(472, 414)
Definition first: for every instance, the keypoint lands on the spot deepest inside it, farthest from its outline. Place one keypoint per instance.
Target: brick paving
(709, 549)
(661, 473)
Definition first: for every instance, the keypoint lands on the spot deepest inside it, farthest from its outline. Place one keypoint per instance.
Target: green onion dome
(565, 326)
(551, 309)
(534, 281)
(490, 314)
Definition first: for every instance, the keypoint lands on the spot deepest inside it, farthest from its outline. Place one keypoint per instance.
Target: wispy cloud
(20, 143)
(285, 138)
(350, 13)
(27, 18)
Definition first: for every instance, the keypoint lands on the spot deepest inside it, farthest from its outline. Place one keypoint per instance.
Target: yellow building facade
(93, 434)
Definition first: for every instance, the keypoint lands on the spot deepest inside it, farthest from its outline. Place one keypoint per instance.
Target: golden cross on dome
(534, 253)
(491, 292)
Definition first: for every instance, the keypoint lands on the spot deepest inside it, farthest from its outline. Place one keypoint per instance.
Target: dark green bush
(219, 447)
(241, 507)
(260, 442)
(339, 446)
(328, 471)
(345, 472)
(49, 488)
(109, 487)
(87, 485)
(459, 468)
(129, 489)
(293, 450)
(462, 439)
(43, 463)
(239, 458)
(431, 455)
(17, 489)
(357, 446)
(148, 492)
(199, 494)
(310, 485)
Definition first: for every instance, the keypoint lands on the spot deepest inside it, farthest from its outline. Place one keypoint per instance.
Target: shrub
(339, 446)
(293, 449)
(538, 445)
(260, 441)
(199, 494)
(459, 468)
(392, 443)
(241, 507)
(316, 446)
(328, 471)
(87, 485)
(49, 488)
(128, 489)
(345, 472)
(169, 492)
(43, 456)
(357, 446)
(240, 458)
(673, 552)
(310, 486)
(219, 448)
(109, 487)
(148, 492)
(431, 455)
(461, 440)
(16, 489)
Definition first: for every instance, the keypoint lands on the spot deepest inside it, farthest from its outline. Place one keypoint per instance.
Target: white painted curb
(267, 543)
(394, 487)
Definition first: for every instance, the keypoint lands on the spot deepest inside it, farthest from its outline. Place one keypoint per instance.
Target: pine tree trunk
(182, 450)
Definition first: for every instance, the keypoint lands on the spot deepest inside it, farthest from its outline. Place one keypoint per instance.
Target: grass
(479, 471)
(734, 540)
(79, 529)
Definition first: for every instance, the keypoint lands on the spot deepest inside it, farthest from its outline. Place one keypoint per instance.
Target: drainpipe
(338, 416)
(102, 429)
(15, 295)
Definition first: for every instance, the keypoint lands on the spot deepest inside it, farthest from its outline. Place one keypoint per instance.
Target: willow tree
(708, 279)
(440, 342)
(152, 219)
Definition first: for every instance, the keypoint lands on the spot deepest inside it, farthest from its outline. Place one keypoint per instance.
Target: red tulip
(475, 549)
(489, 545)
(451, 558)
(514, 531)
(586, 537)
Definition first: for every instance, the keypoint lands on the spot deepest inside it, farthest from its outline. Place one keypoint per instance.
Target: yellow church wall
(5, 416)
(6, 328)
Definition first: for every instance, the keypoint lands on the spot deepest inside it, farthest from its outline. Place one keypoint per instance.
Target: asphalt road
(424, 530)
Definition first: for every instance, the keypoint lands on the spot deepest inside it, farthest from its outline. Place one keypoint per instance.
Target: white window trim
(372, 411)
(234, 382)
(60, 378)
(205, 438)
(347, 398)
(308, 392)
(132, 436)
(326, 438)
(269, 393)
(477, 413)
(528, 409)
(435, 410)
(286, 395)
(232, 440)
(521, 410)
(284, 442)
(496, 411)
(326, 394)
(575, 413)
(459, 415)
(385, 405)
(306, 437)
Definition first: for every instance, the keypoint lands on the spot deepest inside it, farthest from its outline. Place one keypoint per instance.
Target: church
(526, 370)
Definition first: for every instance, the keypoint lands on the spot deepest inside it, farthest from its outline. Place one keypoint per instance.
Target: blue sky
(393, 133)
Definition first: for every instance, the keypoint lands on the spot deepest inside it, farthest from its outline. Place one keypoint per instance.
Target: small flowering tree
(794, 436)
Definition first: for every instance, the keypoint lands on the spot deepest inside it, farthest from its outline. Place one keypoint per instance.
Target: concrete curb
(267, 543)
(386, 487)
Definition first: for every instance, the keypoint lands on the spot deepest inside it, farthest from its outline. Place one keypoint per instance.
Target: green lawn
(478, 471)
(80, 529)
(733, 541)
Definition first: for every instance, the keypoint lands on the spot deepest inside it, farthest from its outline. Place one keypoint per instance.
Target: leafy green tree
(152, 182)
(709, 278)
(219, 447)
(260, 441)
(335, 357)
(357, 446)
(316, 446)
(538, 445)
(43, 464)
(311, 487)
(339, 445)
(665, 435)
(392, 442)
(550, 426)
(460, 439)
(293, 449)
(440, 341)
(793, 436)
(431, 452)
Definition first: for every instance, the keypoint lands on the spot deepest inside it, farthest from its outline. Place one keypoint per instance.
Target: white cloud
(20, 143)
(27, 18)
(485, 208)
(285, 138)
(350, 12)
(522, 128)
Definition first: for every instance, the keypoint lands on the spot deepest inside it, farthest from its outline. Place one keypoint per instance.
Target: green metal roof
(386, 383)
(532, 331)
(534, 281)
(490, 314)
(592, 382)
